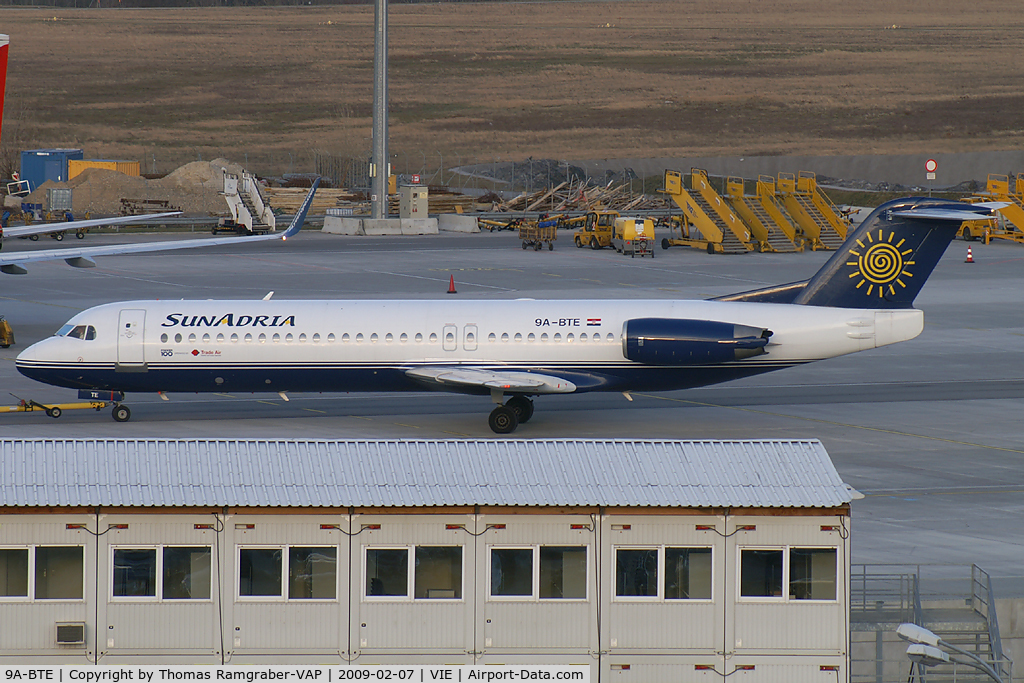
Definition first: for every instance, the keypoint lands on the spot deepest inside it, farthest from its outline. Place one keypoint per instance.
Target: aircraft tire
(503, 420)
(120, 413)
(522, 407)
(55, 412)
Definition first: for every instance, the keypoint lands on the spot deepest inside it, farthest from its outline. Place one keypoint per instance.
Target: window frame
(534, 596)
(786, 598)
(410, 573)
(32, 549)
(662, 575)
(29, 578)
(159, 583)
(282, 596)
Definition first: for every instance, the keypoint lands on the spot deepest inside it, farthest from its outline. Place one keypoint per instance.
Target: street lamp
(925, 650)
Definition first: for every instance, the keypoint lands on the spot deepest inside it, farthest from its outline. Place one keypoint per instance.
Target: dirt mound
(193, 188)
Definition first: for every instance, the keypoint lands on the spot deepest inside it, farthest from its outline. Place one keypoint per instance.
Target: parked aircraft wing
(43, 228)
(13, 263)
(507, 381)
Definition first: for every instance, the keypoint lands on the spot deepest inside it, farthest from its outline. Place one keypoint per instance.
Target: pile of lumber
(289, 199)
(570, 196)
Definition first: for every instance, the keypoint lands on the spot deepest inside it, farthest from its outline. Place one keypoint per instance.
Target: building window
(13, 572)
(259, 572)
(511, 572)
(59, 572)
(663, 572)
(186, 573)
(539, 573)
(761, 573)
(636, 572)
(134, 573)
(687, 573)
(168, 573)
(387, 572)
(812, 573)
(311, 572)
(438, 572)
(563, 572)
(435, 573)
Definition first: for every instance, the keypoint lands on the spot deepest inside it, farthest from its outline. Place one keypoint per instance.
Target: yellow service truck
(634, 236)
(597, 231)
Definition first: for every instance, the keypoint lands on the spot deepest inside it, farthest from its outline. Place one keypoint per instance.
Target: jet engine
(671, 341)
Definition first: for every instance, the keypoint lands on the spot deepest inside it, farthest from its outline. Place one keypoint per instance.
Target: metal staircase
(814, 212)
(249, 209)
(769, 236)
(954, 602)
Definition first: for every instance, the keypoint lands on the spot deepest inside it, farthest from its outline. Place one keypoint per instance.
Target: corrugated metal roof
(553, 472)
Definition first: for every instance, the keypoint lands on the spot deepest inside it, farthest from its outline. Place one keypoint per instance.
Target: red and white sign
(931, 165)
(415, 178)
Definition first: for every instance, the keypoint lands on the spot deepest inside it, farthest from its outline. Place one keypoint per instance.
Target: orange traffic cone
(970, 256)
(451, 285)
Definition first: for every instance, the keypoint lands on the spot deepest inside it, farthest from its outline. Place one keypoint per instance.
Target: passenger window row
(248, 338)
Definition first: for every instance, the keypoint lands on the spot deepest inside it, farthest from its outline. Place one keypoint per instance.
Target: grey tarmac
(931, 431)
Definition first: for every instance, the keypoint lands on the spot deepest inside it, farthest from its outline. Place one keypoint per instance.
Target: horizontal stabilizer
(502, 380)
(956, 215)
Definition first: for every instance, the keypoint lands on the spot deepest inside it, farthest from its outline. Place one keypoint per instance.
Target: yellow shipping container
(76, 166)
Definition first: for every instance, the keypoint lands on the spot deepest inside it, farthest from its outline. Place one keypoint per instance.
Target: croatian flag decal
(593, 322)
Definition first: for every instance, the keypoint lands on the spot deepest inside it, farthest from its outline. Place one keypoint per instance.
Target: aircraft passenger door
(449, 338)
(469, 337)
(131, 327)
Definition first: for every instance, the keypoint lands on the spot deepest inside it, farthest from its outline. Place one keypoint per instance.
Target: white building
(647, 560)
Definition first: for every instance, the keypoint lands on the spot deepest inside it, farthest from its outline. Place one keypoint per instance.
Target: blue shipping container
(40, 165)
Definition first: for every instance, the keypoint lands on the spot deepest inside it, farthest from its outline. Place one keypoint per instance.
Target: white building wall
(638, 639)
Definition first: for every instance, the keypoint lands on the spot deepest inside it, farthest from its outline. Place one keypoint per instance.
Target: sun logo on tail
(880, 264)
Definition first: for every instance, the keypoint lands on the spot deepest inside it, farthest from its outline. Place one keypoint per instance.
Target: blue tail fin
(300, 215)
(887, 259)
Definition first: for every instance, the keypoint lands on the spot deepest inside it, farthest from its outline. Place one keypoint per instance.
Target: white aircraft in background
(13, 263)
(860, 299)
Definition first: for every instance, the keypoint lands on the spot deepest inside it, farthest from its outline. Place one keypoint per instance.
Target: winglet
(300, 216)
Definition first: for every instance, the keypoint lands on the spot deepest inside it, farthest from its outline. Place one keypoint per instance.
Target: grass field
(477, 82)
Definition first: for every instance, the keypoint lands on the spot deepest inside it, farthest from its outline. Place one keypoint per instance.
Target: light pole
(925, 651)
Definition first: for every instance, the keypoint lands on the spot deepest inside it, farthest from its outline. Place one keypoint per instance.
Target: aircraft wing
(511, 381)
(42, 228)
(12, 263)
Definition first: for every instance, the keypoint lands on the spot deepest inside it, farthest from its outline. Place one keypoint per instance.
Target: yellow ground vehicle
(6, 333)
(598, 230)
(634, 236)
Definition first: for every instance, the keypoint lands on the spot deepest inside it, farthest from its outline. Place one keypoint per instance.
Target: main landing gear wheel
(503, 420)
(121, 413)
(54, 412)
(522, 407)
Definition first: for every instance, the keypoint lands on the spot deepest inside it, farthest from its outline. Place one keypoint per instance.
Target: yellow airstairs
(768, 225)
(821, 221)
(721, 230)
(1010, 226)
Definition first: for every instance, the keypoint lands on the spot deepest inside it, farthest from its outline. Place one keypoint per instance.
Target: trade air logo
(880, 264)
(228, 320)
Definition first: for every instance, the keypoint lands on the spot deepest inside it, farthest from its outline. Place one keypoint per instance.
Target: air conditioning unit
(71, 633)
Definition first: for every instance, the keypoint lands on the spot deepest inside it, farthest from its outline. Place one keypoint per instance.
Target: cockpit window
(86, 332)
